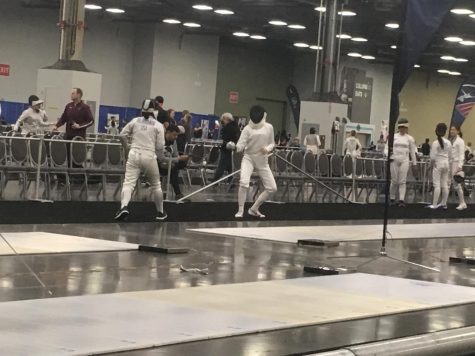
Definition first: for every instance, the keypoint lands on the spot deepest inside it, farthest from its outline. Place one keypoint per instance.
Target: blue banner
(464, 102)
(294, 100)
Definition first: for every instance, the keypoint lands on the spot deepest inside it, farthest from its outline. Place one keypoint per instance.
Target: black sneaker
(392, 202)
(161, 216)
(401, 204)
(122, 214)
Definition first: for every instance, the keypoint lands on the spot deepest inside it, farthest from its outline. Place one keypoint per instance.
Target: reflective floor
(237, 260)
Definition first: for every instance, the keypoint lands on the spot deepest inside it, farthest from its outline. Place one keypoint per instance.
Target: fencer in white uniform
(353, 146)
(404, 147)
(440, 156)
(312, 141)
(257, 141)
(33, 119)
(148, 142)
(458, 159)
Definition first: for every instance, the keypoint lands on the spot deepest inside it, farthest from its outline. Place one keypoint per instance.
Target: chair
(59, 162)
(196, 162)
(19, 166)
(38, 156)
(78, 156)
(212, 160)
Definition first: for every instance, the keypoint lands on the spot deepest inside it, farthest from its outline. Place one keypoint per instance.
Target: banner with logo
(464, 102)
(294, 101)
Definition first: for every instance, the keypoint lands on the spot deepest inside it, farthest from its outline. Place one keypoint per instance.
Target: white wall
(185, 70)
(29, 41)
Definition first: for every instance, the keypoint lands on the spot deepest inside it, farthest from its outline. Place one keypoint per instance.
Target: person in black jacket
(230, 133)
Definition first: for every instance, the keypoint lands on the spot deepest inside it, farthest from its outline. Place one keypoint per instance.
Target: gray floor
(233, 260)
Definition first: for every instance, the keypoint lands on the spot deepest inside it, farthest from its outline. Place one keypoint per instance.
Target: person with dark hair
(77, 117)
(34, 118)
(257, 142)
(353, 145)
(172, 155)
(404, 147)
(185, 138)
(198, 131)
(147, 144)
(440, 156)
(425, 148)
(312, 141)
(458, 159)
(230, 133)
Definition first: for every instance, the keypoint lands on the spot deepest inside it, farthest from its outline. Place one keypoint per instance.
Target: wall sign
(4, 70)
(233, 97)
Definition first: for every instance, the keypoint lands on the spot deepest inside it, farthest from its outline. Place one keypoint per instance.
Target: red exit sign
(5, 70)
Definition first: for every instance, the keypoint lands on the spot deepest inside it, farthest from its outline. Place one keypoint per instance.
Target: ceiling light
(443, 71)
(461, 60)
(192, 24)
(316, 48)
(447, 58)
(344, 36)
(172, 21)
(467, 43)
(321, 9)
(202, 7)
(258, 37)
(417, 66)
(114, 10)
(354, 54)
(297, 27)
(368, 57)
(93, 7)
(301, 45)
(393, 47)
(347, 13)
(224, 12)
(461, 11)
(392, 25)
(455, 73)
(359, 39)
(240, 34)
(453, 39)
(278, 23)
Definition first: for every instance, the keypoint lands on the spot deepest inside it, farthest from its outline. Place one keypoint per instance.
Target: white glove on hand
(231, 146)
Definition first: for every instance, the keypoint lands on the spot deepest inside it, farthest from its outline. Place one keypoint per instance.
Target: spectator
(425, 148)
(198, 131)
(162, 116)
(185, 138)
(171, 116)
(353, 145)
(284, 139)
(33, 119)
(230, 133)
(177, 161)
(77, 117)
(112, 129)
(381, 144)
(295, 143)
(312, 141)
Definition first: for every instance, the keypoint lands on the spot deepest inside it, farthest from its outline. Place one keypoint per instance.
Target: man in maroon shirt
(77, 117)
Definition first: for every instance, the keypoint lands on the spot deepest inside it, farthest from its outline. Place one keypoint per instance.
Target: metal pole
(319, 52)
(208, 186)
(38, 168)
(329, 50)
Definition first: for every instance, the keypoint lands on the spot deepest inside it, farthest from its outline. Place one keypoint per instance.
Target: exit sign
(5, 70)
(233, 97)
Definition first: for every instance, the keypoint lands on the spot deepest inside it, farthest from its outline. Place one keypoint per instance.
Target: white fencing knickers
(142, 161)
(260, 164)
(399, 171)
(441, 181)
(458, 187)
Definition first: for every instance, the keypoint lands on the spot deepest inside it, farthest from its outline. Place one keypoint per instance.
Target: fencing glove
(231, 146)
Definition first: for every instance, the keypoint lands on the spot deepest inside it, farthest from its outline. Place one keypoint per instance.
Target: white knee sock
(158, 197)
(445, 196)
(242, 196)
(402, 191)
(392, 191)
(435, 200)
(459, 190)
(263, 197)
(126, 196)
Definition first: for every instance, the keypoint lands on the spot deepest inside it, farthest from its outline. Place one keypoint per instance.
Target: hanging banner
(464, 102)
(294, 101)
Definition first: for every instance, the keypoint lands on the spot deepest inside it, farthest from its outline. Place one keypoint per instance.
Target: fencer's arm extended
(242, 143)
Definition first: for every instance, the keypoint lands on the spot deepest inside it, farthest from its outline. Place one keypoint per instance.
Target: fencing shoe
(122, 214)
(433, 207)
(256, 213)
(401, 204)
(461, 207)
(239, 214)
(161, 216)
